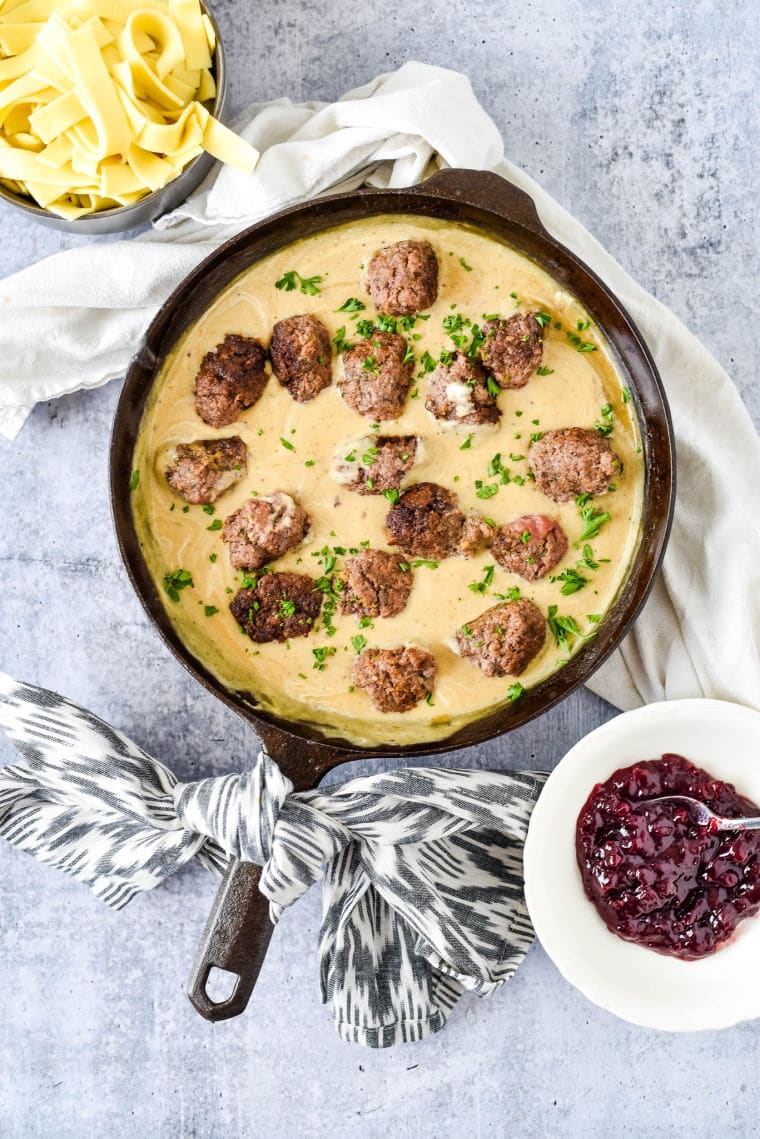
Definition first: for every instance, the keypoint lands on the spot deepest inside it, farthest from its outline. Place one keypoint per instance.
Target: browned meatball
(403, 278)
(263, 529)
(572, 461)
(458, 392)
(300, 355)
(282, 605)
(201, 471)
(230, 380)
(531, 546)
(512, 348)
(376, 376)
(427, 523)
(373, 584)
(375, 463)
(505, 639)
(395, 679)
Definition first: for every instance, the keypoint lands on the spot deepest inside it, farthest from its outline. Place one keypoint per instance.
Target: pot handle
(487, 190)
(238, 929)
(235, 939)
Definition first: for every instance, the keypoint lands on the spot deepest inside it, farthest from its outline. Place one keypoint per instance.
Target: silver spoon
(702, 814)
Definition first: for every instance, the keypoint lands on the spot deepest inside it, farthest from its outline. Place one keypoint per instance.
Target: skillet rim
(500, 208)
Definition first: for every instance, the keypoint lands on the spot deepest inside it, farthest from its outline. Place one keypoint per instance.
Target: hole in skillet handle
(234, 942)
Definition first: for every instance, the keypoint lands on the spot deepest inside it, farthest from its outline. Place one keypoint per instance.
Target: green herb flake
(627, 395)
(292, 280)
(493, 387)
(176, 581)
(287, 444)
(467, 444)
(320, 656)
(134, 481)
(572, 581)
(542, 318)
(353, 304)
(561, 628)
(425, 562)
(465, 266)
(359, 642)
(340, 342)
(515, 691)
(212, 558)
(544, 371)
(210, 610)
(580, 345)
(392, 495)
(215, 525)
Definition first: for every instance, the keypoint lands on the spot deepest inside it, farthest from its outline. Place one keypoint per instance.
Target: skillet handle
(236, 938)
(485, 189)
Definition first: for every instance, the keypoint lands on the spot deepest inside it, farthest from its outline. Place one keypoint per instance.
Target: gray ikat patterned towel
(421, 868)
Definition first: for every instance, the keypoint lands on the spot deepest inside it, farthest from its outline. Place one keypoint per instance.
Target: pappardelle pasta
(102, 101)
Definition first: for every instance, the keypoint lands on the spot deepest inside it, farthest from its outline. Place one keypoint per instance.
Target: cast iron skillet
(238, 930)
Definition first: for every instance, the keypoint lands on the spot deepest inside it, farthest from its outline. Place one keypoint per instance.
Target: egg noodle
(102, 101)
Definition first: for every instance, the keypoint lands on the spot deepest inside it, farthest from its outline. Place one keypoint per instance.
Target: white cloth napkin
(73, 320)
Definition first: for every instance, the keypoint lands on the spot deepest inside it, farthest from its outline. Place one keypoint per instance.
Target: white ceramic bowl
(635, 983)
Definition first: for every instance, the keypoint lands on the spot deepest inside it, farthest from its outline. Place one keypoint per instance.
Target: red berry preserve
(655, 875)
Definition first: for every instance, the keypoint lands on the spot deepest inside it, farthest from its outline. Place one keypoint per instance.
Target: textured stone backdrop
(642, 118)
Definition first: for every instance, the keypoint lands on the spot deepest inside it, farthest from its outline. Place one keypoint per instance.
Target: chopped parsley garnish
(605, 427)
(287, 608)
(535, 436)
(580, 345)
(427, 362)
(465, 266)
(592, 519)
(496, 467)
(404, 567)
(212, 558)
(493, 387)
(561, 628)
(287, 445)
(365, 328)
(310, 462)
(425, 562)
(572, 581)
(320, 656)
(467, 444)
(482, 586)
(359, 642)
(371, 365)
(484, 490)
(626, 395)
(515, 691)
(215, 525)
(353, 304)
(209, 508)
(446, 357)
(594, 618)
(135, 479)
(526, 537)
(544, 371)
(512, 594)
(542, 318)
(340, 342)
(467, 631)
(210, 610)
(177, 580)
(588, 561)
(293, 280)
(392, 495)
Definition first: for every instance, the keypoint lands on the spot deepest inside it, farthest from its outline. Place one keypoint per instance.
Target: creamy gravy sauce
(282, 677)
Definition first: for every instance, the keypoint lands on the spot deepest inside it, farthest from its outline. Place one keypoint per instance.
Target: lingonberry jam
(655, 875)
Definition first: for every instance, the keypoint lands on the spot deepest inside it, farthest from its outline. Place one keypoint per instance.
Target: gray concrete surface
(643, 120)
